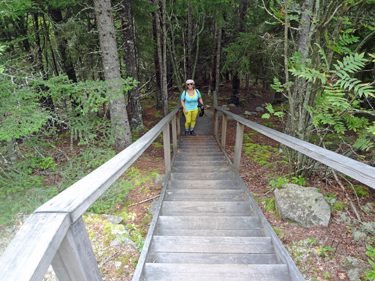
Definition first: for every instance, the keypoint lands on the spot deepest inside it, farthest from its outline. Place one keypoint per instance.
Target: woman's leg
(194, 114)
(187, 119)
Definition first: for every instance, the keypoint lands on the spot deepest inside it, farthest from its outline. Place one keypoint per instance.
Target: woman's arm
(183, 105)
(201, 100)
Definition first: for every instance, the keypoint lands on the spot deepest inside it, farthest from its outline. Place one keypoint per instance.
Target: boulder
(113, 219)
(303, 205)
(232, 105)
(259, 109)
(250, 113)
(123, 241)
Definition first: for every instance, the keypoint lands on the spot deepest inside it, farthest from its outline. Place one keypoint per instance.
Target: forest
(77, 76)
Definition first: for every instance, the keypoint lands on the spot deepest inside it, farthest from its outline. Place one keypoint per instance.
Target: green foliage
(269, 204)
(323, 251)
(370, 274)
(111, 197)
(279, 182)
(362, 191)
(300, 180)
(279, 232)
(339, 206)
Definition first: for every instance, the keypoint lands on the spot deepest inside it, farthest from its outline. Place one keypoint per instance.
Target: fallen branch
(144, 201)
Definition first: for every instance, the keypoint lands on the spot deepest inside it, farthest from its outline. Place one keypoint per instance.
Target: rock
(272, 166)
(117, 264)
(250, 113)
(256, 94)
(113, 219)
(259, 109)
(207, 106)
(232, 105)
(153, 206)
(225, 107)
(263, 105)
(303, 205)
(160, 179)
(123, 241)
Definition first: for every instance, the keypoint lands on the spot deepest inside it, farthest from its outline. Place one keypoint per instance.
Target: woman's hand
(185, 110)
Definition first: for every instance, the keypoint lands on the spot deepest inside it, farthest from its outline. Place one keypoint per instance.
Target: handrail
(355, 169)
(55, 232)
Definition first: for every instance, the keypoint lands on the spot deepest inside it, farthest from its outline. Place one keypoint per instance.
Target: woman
(189, 101)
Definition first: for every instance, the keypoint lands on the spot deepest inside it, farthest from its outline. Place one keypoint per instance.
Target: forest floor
(321, 253)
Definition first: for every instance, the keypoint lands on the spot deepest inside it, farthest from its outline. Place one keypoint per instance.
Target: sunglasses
(189, 84)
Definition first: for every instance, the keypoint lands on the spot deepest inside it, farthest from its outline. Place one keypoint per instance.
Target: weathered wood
(216, 123)
(214, 232)
(202, 176)
(75, 259)
(355, 169)
(204, 272)
(30, 253)
(174, 133)
(238, 146)
(209, 223)
(204, 195)
(222, 184)
(150, 233)
(167, 148)
(224, 131)
(77, 198)
(209, 258)
(172, 208)
(188, 244)
(199, 169)
(196, 158)
(178, 124)
(222, 163)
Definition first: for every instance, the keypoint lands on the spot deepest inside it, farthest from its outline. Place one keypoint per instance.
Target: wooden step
(199, 169)
(201, 163)
(191, 244)
(208, 223)
(199, 158)
(197, 154)
(198, 149)
(203, 176)
(205, 208)
(204, 195)
(211, 258)
(217, 272)
(212, 233)
(195, 183)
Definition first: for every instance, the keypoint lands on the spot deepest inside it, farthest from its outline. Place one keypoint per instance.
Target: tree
(131, 62)
(107, 39)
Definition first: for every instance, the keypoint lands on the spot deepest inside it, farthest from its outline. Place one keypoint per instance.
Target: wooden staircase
(206, 228)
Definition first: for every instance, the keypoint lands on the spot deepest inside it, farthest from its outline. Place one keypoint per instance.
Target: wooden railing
(356, 170)
(55, 233)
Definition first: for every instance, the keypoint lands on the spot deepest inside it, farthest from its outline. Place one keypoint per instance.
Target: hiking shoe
(186, 133)
(192, 133)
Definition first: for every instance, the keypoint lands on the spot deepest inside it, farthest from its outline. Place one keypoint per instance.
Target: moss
(339, 206)
(362, 191)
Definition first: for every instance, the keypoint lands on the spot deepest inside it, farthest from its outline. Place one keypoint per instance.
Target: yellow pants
(191, 118)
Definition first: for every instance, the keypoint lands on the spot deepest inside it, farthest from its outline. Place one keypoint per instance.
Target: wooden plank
(77, 198)
(202, 176)
(75, 259)
(224, 131)
(197, 158)
(174, 133)
(30, 253)
(150, 233)
(209, 223)
(222, 163)
(221, 184)
(167, 148)
(188, 244)
(355, 169)
(172, 208)
(209, 258)
(199, 169)
(238, 146)
(212, 233)
(204, 272)
(204, 195)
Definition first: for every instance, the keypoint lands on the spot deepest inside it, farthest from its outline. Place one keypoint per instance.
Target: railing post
(174, 133)
(216, 115)
(238, 146)
(167, 148)
(75, 259)
(224, 131)
(178, 124)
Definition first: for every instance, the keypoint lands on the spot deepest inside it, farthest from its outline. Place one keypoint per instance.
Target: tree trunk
(111, 66)
(218, 56)
(158, 57)
(131, 63)
(189, 43)
(211, 83)
(164, 62)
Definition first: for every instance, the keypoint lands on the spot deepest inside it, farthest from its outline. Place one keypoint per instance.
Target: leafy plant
(269, 204)
(300, 180)
(370, 274)
(362, 191)
(279, 232)
(320, 250)
(279, 182)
